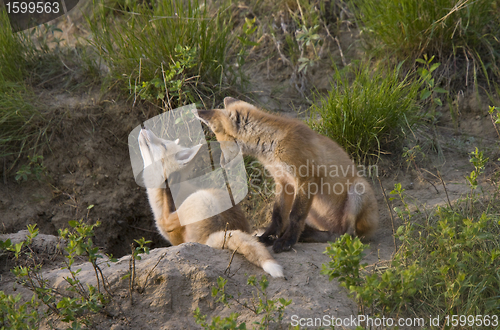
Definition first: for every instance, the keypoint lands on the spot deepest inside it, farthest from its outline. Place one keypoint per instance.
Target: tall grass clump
(163, 50)
(19, 118)
(367, 111)
(21, 122)
(14, 49)
(411, 28)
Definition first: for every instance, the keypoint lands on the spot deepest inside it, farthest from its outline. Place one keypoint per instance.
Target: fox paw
(282, 245)
(267, 240)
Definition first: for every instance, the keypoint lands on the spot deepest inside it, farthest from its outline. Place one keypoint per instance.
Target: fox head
(230, 123)
(162, 157)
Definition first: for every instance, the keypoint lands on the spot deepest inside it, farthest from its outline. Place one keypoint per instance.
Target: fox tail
(361, 211)
(248, 246)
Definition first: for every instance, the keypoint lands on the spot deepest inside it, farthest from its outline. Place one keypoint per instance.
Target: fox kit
(318, 189)
(168, 157)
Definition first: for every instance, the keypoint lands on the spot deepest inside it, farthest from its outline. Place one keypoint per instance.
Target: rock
(177, 280)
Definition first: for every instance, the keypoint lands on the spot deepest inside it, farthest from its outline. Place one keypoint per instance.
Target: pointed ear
(205, 116)
(176, 141)
(228, 101)
(185, 156)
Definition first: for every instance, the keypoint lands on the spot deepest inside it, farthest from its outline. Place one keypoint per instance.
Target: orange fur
(229, 226)
(284, 146)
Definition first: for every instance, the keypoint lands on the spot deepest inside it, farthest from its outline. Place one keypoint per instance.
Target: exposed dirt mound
(177, 280)
(88, 164)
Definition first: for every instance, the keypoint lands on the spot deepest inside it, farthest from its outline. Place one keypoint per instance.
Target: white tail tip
(273, 268)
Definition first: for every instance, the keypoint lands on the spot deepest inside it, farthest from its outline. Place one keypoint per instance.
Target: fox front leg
(281, 213)
(298, 215)
(274, 228)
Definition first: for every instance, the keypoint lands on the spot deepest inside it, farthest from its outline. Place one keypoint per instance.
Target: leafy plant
(429, 89)
(172, 83)
(298, 35)
(79, 242)
(245, 39)
(346, 254)
(17, 248)
(73, 307)
(136, 252)
(478, 160)
(229, 323)
(272, 310)
(495, 117)
(308, 37)
(34, 167)
(447, 263)
(16, 315)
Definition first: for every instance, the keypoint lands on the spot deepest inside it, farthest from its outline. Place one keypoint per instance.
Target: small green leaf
(434, 66)
(425, 94)
(440, 90)
(73, 223)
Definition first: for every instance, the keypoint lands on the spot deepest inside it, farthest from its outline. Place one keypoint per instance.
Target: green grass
(180, 45)
(367, 111)
(22, 126)
(15, 109)
(14, 48)
(412, 28)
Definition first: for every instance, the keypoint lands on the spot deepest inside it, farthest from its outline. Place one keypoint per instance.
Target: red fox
(319, 192)
(169, 157)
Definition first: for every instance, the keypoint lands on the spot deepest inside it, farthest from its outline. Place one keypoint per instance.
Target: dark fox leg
(281, 213)
(298, 215)
(274, 228)
(313, 235)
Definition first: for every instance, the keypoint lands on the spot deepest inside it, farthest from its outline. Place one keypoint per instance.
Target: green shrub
(272, 311)
(16, 315)
(367, 111)
(175, 46)
(447, 264)
(445, 268)
(412, 28)
(73, 308)
(80, 301)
